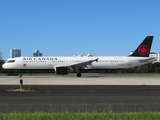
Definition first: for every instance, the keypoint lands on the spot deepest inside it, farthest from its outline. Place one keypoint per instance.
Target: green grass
(99, 74)
(94, 74)
(120, 74)
(82, 116)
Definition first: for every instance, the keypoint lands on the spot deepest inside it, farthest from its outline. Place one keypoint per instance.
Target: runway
(83, 95)
(88, 80)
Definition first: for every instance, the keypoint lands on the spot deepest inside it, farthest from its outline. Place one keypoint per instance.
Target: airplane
(65, 65)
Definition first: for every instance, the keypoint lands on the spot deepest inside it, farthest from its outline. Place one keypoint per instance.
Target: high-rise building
(0, 56)
(15, 53)
(37, 53)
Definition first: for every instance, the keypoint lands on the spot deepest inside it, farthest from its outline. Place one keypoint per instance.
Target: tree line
(1, 63)
(148, 68)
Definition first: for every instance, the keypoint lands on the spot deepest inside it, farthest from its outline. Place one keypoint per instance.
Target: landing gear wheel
(79, 75)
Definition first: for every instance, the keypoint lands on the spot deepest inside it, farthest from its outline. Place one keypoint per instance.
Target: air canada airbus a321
(65, 65)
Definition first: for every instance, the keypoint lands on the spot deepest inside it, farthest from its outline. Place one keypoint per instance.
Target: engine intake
(61, 70)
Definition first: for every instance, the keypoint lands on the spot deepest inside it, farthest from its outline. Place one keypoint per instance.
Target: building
(1, 56)
(83, 55)
(15, 53)
(37, 53)
(156, 55)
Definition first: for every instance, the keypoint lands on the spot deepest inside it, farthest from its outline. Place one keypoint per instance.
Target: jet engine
(61, 70)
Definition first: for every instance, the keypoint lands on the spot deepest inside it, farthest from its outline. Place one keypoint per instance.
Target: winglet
(96, 59)
(144, 48)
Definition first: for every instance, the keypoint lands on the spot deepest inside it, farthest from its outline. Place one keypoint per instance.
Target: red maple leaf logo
(143, 50)
(24, 65)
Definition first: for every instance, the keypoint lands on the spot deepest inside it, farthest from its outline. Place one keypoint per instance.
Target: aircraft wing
(83, 65)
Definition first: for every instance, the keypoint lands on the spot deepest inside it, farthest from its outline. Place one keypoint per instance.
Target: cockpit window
(10, 61)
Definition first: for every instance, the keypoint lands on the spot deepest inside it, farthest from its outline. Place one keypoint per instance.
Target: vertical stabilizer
(144, 48)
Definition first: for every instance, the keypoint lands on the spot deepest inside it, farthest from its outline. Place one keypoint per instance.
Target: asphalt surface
(79, 98)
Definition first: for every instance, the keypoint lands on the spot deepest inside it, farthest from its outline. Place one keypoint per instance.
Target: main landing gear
(79, 74)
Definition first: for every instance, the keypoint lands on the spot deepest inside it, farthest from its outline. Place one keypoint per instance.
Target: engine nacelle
(61, 70)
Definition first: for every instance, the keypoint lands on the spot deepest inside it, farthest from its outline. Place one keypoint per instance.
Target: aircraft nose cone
(4, 66)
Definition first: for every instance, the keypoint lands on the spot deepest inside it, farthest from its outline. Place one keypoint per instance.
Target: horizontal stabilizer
(146, 60)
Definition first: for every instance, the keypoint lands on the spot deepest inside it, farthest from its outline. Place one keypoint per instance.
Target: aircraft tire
(79, 75)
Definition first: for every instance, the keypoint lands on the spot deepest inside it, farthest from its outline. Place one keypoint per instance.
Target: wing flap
(83, 65)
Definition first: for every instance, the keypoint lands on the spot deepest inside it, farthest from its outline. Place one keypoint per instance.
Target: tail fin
(143, 49)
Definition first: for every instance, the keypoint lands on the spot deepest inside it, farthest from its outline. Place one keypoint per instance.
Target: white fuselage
(115, 62)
